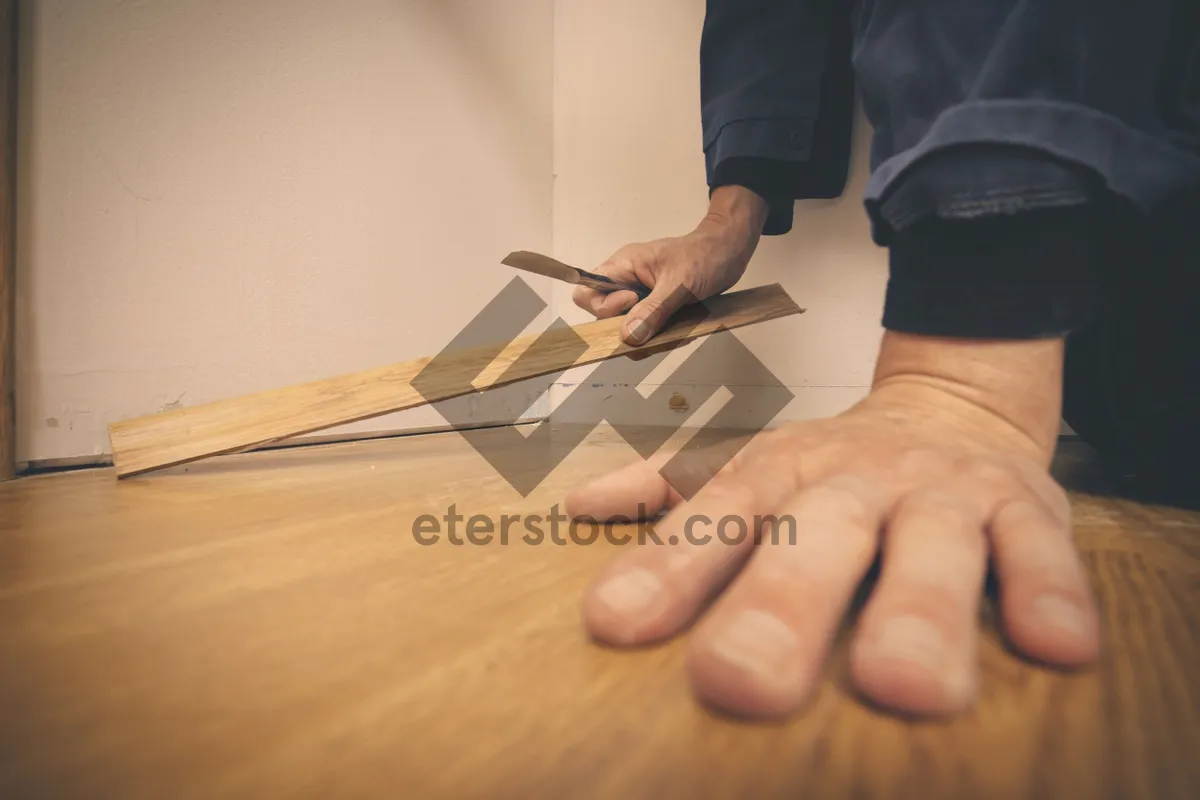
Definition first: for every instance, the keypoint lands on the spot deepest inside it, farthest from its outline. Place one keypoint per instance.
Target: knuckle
(583, 298)
(934, 506)
(1061, 510)
(923, 463)
(1056, 502)
(631, 254)
(684, 294)
(993, 476)
(805, 587)
(1044, 491)
(650, 306)
(745, 456)
(996, 485)
(730, 492)
(844, 498)
(607, 267)
(1068, 580)
(936, 603)
(1029, 514)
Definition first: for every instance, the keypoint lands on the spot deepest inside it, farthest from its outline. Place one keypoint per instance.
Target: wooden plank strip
(9, 35)
(183, 435)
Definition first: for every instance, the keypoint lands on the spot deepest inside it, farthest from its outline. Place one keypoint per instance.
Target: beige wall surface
(224, 196)
(629, 167)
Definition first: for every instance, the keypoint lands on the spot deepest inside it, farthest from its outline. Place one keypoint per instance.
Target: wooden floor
(266, 625)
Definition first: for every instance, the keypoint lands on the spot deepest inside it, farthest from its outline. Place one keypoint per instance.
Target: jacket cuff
(775, 181)
(1020, 276)
(737, 160)
(798, 150)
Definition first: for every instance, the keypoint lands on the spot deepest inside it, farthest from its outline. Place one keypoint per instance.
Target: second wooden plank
(227, 426)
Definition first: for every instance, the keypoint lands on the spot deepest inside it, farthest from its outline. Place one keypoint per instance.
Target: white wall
(629, 167)
(224, 196)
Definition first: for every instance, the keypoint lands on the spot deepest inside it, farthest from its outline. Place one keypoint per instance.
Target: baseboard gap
(77, 463)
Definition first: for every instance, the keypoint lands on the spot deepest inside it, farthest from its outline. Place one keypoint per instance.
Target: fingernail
(760, 644)
(1062, 614)
(912, 640)
(631, 592)
(639, 331)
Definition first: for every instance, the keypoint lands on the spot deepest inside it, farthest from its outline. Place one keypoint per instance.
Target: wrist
(1011, 388)
(736, 209)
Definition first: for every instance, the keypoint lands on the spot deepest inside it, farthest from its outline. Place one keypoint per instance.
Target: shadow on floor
(1079, 468)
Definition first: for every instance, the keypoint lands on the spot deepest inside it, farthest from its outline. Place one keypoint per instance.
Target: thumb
(646, 318)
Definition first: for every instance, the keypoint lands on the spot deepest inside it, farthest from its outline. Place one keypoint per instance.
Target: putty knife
(551, 268)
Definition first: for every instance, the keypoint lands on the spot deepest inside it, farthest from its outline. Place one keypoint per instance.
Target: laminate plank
(188, 434)
(266, 625)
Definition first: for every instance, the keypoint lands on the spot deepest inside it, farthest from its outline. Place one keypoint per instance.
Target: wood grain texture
(8, 223)
(189, 434)
(265, 625)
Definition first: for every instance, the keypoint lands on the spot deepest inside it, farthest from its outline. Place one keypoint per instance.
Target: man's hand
(941, 468)
(706, 262)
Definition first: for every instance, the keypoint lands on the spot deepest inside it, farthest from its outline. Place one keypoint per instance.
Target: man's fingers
(647, 317)
(632, 492)
(916, 645)
(762, 648)
(1047, 606)
(644, 489)
(659, 587)
(603, 305)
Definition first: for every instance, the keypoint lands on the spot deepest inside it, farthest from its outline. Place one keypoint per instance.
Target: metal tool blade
(552, 268)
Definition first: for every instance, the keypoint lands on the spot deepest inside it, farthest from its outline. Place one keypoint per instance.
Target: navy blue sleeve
(777, 99)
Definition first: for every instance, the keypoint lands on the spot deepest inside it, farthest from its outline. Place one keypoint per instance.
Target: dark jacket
(1007, 134)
